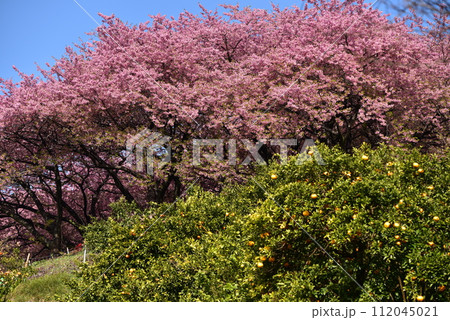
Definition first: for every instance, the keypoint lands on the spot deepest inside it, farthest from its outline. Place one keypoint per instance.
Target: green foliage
(381, 215)
(10, 258)
(11, 271)
(46, 288)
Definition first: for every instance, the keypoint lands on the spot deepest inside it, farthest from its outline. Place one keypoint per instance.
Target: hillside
(48, 279)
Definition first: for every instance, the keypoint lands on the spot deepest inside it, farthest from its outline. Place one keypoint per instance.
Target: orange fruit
(420, 298)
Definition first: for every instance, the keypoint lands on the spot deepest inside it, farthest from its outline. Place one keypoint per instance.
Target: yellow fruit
(387, 224)
(420, 170)
(355, 216)
(127, 256)
(420, 210)
(403, 228)
(415, 165)
(431, 244)
(389, 173)
(263, 258)
(273, 176)
(430, 187)
(365, 158)
(436, 218)
(413, 278)
(314, 196)
(310, 152)
(396, 224)
(420, 298)
(389, 164)
(397, 237)
(326, 173)
(251, 243)
(399, 243)
(260, 264)
(305, 213)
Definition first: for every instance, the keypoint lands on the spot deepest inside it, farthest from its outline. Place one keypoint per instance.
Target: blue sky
(33, 32)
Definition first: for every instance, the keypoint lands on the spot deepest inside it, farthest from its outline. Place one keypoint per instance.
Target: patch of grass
(62, 264)
(41, 289)
(49, 279)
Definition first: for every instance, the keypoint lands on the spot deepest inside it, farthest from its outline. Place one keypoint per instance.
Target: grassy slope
(50, 279)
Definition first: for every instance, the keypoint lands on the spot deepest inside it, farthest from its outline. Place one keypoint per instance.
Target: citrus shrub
(371, 225)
